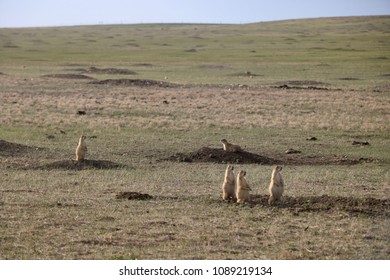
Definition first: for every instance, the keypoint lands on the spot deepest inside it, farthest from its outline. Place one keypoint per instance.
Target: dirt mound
(13, 149)
(300, 87)
(215, 67)
(349, 79)
(367, 206)
(143, 64)
(360, 143)
(207, 154)
(135, 82)
(111, 71)
(304, 84)
(245, 74)
(79, 165)
(68, 76)
(133, 196)
(214, 155)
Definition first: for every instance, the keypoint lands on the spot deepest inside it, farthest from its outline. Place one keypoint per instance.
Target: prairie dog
(229, 184)
(242, 192)
(81, 149)
(229, 147)
(276, 187)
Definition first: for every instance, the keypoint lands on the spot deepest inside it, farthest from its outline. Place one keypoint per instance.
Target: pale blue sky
(26, 13)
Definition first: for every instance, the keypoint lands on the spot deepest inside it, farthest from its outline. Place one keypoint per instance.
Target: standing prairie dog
(81, 149)
(276, 187)
(229, 184)
(242, 192)
(229, 147)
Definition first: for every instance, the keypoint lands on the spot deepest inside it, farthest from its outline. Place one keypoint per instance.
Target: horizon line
(101, 23)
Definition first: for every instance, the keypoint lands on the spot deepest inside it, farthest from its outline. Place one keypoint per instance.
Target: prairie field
(155, 100)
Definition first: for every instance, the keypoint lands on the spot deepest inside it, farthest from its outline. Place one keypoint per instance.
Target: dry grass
(60, 213)
(195, 107)
(81, 218)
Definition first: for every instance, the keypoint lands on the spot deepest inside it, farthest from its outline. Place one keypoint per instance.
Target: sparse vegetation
(154, 114)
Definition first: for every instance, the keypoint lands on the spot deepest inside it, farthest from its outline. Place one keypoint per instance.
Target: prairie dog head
(230, 168)
(229, 174)
(241, 181)
(241, 174)
(277, 169)
(224, 141)
(82, 139)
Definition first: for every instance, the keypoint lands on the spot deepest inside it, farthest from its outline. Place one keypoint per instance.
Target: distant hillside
(333, 50)
(340, 25)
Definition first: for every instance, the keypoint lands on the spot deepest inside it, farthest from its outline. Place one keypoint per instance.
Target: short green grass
(349, 52)
(70, 214)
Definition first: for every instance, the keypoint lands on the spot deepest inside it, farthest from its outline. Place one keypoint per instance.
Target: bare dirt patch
(304, 84)
(143, 64)
(133, 196)
(214, 155)
(367, 206)
(80, 165)
(110, 71)
(285, 86)
(215, 67)
(349, 79)
(245, 74)
(360, 143)
(68, 76)
(207, 154)
(135, 82)
(9, 149)
(13, 155)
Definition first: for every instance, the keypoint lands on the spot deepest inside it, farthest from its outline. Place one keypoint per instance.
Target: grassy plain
(336, 74)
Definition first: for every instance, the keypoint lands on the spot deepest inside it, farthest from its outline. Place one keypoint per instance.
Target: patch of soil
(368, 206)
(218, 155)
(79, 165)
(306, 84)
(207, 154)
(111, 71)
(9, 149)
(360, 143)
(143, 64)
(10, 46)
(135, 82)
(68, 76)
(215, 67)
(299, 87)
(133, 196)
(292, 151)
(245, 74)
(349, 79)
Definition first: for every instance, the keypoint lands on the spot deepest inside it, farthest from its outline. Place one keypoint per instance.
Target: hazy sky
(25, 13)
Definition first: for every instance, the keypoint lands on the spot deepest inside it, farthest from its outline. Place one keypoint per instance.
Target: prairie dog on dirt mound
(229, 184)
(276, 187)
(229, 147)
(81, 149)
(242, 192)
